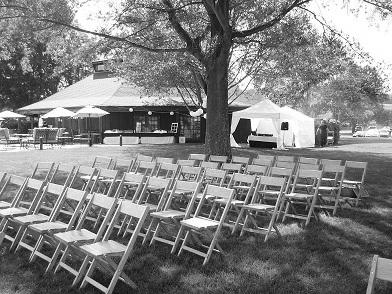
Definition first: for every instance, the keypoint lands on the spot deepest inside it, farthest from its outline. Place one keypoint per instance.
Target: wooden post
(41, 143)
(121, 140)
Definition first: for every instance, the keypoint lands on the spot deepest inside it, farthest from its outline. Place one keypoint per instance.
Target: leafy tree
(206, 33)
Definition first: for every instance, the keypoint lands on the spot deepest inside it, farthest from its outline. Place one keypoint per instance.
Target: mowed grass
(329, 256)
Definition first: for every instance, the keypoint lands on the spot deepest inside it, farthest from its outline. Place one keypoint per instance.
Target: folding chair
(167, 170)
(209, 164)
(218, 158)
(244, 161)
(100, 255)
(81, 235)
(256, 209)
(161, 160)
(15, 227)
(329, 191)
(62, 174)
(270, 158)
(42, 171)
(145, 167)
(103, 162)
(199, 157)
(168, 219)
(11, 189)
(190, 173)
(355, 172)
(42, 233)
(308, 160)
(206, 227)
(263, 161)
(381, 270)
(154, 195)
(187, 162)
(307, 197)
(259, 170)
(25, 201)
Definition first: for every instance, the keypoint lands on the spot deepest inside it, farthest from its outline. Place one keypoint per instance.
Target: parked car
(359, 132)
(372, 131)
(385, 132)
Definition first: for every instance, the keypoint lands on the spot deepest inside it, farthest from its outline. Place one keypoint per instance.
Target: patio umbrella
(10, 114)
(59, 112)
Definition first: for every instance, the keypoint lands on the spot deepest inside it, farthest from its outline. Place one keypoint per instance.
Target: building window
(190, 128)
(146, 123)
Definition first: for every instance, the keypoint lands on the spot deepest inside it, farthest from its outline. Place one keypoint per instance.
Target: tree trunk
(218, 129)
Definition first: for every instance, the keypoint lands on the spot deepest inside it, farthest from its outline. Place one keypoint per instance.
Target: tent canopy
(266, 117)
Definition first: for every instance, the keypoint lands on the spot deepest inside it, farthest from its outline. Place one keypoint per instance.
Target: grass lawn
(330, 256)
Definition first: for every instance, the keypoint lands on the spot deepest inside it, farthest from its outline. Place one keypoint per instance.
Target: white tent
(266, 118)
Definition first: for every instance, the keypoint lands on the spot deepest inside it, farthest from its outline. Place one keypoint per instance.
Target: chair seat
(298, 195)
(269, 192)
(167, 214)
(328, 188)
(4, 204)
(75, 236)
(233, 202)
(49, 226)
(31, 219)
(348, 182)
(259, 206)
(13, 211)
(103, 248)
(198, 223)
(241, 187)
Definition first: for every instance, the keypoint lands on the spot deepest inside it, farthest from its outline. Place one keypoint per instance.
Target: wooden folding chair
(209, 164)
(199, 157)
(62, 174)
(381, 270)
(259, 170)
(81, 235)
(42, 233)
(25, 201)
(145, 167)
(167, 170)
(190, 173)
(329, 196)
(100, 255)
(42, 171)
(257, 209)
(167, 221)
(15, 227)
(187, 162)
(355, 172)
(304, 197)
(154, 195)
(208, 228)
(103, 162)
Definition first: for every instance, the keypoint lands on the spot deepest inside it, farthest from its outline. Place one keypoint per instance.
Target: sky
(373, 34)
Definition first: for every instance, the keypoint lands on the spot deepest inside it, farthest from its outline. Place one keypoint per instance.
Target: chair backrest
(72, 199)
(381, 269)
(62, 173)
(12, 189)
(167, 170)
(190, 173)
(157, 187)
(124, 165)
(50, 198)
(141, 157)
(308, 160)
(51, 135)
(244, 185)
(356, 170)
(232, 167)
(146, 167)
(40, 133)
(131, 182)
(267, 157)
(4, 133)
(183, 187)
(286, 173)
(198, 157)
(263, 161)
(240, 159)
(214, 176)
(187, 162)
(83, 177)
(210, 164)
(102, 162)
(105, 182)
(285, 164)
(288, 158)
(308, 166)
(326, 162)
(42, 171)
(218, 158)
(308, 176)
(30, 194)
(160, 160)
(253, 169)
(335, 172)
(267, 183)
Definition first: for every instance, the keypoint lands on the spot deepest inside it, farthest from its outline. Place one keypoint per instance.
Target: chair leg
(89, 272)
(178, 238)
(82, 271)
(54, 258)
(37, 248)
(187, 235)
